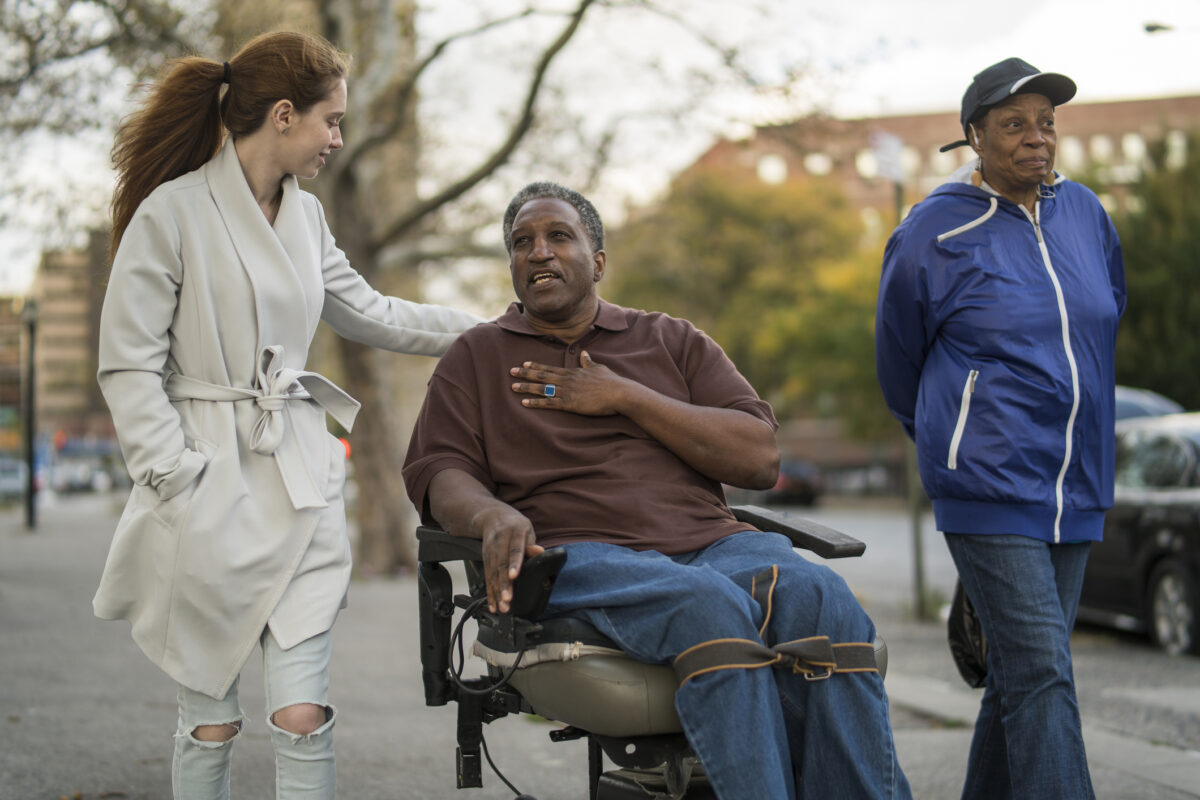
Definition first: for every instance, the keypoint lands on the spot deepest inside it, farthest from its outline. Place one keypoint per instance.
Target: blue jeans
(1028, 739)
(760, 733)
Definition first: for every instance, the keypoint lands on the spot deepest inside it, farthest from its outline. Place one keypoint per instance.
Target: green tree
(776, 275)
(1158, 344)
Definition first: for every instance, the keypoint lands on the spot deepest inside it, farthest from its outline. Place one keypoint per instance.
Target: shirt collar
(610, 318)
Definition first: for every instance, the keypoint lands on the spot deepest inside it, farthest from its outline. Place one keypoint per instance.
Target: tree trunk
(385, 517)
(384, 514)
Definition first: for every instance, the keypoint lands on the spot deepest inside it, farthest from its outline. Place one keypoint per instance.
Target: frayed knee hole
(301, 719)
(223, 732)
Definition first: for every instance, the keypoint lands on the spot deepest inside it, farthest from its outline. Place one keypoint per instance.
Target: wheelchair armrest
(804, 533)
(531, 589)
(435, 545)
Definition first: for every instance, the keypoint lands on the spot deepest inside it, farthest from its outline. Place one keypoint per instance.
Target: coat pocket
(172, 510)
(964, 410)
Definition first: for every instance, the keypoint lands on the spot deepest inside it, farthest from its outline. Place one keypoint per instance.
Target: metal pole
(29, 317)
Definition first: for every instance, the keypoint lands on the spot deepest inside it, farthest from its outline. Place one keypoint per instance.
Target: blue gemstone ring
(548, 390)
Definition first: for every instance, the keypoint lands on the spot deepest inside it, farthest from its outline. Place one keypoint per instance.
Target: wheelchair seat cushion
(576, 675)
(609, 695)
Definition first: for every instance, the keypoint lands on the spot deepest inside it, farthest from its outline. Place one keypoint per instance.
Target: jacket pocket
(171, 510)
(964, 410)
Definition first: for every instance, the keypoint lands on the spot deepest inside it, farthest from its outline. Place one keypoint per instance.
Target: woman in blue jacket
(995, 330)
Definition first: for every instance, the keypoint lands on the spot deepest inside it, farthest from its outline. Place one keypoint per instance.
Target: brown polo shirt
(580, 478)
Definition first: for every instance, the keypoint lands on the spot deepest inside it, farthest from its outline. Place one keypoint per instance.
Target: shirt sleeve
(715, 381)
(448, 433)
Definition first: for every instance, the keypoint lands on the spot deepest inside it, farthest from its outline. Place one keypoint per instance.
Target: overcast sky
(933, 47)
(880, 57)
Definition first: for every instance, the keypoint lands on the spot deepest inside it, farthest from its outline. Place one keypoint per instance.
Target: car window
(1148, 460)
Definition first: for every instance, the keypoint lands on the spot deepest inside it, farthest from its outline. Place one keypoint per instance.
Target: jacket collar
(275, 269)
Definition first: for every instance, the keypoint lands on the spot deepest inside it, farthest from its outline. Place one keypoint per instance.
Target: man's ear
(599, 259)
(283, 114)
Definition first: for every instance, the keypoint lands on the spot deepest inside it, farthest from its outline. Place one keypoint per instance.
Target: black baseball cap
(1004, 79)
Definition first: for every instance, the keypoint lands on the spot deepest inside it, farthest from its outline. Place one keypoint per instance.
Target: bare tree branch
(413, 252)
(61, 55)
(404, 101)
(421, 210)
(730, 56)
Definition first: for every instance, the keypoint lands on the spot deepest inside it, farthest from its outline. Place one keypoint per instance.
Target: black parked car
(1145, 575)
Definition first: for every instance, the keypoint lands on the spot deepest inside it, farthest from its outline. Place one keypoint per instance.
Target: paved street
(83, 714)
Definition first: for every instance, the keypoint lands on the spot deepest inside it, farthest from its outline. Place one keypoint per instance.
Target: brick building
(1109, 140)
(68, 288)
(11, 349)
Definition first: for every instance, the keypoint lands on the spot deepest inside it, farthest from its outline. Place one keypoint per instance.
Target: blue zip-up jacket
(994, 338)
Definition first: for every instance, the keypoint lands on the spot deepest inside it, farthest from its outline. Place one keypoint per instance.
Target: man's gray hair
(536, 191)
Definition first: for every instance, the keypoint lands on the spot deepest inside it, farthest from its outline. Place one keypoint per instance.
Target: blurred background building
(1102, 144)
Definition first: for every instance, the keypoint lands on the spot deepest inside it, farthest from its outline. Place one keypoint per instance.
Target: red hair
(180, 124)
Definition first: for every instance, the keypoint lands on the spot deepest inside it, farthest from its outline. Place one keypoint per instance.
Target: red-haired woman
(234, 534)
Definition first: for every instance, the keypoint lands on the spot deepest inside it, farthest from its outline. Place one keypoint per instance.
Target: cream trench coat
(204, 336)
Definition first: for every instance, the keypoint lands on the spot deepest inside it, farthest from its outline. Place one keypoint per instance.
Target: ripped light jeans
(304, 768)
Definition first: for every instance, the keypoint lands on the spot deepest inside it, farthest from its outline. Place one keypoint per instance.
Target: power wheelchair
(566, 671)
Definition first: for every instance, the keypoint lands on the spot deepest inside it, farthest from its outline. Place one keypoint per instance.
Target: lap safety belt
(815, 657)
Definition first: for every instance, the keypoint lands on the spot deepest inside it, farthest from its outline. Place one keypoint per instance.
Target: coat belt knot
(273, 388)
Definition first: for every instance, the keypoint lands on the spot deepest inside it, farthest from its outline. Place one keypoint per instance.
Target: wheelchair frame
(485, 699)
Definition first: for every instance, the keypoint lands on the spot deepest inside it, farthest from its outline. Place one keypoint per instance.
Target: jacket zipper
(1035, 218)
(964, 408)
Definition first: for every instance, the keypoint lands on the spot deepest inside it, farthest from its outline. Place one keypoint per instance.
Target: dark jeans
(1028, 739)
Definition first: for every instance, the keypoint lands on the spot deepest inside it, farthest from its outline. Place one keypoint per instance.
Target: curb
(1155, 762)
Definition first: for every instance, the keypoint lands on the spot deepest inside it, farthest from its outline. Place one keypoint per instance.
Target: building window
(866, 164)
(772, 168)
(1071, 153)
(1177, 142)
(818, 164)
(1102, 148)
(942, 163)
(1133, 147)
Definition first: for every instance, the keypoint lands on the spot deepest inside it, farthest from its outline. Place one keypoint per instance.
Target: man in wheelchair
(607, 432)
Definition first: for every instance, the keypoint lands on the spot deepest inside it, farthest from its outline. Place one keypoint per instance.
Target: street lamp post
(29, 314)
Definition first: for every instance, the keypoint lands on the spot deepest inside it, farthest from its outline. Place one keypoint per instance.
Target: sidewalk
(82, 711)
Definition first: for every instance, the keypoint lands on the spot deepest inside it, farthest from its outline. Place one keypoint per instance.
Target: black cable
(520, 795)
(456, 640)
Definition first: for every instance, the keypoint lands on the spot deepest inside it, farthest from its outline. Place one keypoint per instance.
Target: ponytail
(180, 125)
